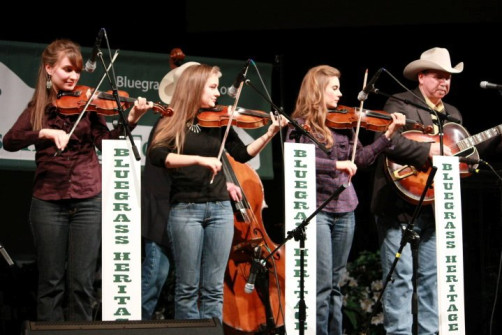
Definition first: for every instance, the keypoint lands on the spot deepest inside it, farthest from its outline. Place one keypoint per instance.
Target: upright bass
(247, 309)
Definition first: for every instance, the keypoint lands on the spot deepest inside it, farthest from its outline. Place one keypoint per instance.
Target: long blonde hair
(311, 105)
(42, 96)
(185, 103)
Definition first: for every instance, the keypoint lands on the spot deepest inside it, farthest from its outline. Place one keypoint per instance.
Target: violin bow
(358, 127)
(227, 130)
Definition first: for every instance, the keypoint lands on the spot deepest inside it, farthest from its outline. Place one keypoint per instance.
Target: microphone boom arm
(425, 108)
(298, 128)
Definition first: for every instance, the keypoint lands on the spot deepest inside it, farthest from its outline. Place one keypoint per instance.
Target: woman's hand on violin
(346, 166)
(234, 191)
(58, 136)
(278, 122)
(141, 106)
(398, 121)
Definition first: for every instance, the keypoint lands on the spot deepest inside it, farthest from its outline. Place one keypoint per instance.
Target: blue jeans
(397, 298)
(335, 232)
(67, 236)
(154, 272)
(201, 236)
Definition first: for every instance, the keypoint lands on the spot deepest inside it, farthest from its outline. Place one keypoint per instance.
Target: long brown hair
(310, 104)
(185, 103)
(42, 96)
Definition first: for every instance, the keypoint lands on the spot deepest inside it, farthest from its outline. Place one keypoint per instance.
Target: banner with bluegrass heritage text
(138, 74)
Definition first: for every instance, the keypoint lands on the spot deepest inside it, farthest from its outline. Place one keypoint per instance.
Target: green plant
(361, 286)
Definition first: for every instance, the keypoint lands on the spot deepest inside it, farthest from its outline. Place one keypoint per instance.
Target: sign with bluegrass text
(121, 232)
(300, 203)
(450, 258)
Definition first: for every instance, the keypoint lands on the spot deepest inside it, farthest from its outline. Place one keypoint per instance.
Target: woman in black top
(201, 219)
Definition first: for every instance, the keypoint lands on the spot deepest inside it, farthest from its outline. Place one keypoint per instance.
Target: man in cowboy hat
(168, 83)
(433, 71)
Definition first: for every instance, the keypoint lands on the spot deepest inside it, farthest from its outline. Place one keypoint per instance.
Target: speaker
(154, 327)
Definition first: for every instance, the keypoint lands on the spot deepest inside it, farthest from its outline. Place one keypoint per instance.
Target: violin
(243, 118)
(344, 117)
(73, 102)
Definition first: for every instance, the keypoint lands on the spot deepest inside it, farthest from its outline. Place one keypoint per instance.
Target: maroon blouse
(76, 172)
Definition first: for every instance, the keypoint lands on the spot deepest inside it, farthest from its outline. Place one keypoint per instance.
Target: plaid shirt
(328, 179)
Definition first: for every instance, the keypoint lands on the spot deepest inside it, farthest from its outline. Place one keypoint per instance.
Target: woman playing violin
(201, 221)
(319, 92)
(65, 213)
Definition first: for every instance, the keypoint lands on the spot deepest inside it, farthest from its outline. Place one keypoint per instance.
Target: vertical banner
(300, 202)
(121, 242)
(450, 259)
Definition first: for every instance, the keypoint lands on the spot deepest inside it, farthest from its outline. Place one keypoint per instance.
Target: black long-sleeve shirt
(192, 183)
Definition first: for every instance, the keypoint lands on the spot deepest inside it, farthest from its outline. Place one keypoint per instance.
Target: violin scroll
(162, 109)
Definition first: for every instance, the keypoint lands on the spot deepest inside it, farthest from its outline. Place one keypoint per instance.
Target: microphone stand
(299, 232)
(299, 235)
(123, 120)
(409, 236)
(441, 117)
(298, 128)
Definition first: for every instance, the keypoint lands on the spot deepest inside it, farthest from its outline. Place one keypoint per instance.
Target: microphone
(255, 269)
(232, 90)
(90, 66)
(487, 85)
(470, 161)
(363, 95)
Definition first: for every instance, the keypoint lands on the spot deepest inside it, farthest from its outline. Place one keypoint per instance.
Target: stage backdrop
(138, 74)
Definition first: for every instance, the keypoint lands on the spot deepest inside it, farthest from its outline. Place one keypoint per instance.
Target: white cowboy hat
(168, 83)
(432, 59)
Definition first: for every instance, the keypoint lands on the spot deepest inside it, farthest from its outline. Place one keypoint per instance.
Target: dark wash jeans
(67, 236)
(154, 273)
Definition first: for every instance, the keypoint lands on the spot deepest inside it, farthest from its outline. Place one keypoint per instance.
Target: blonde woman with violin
(65, 213)
(320, 92)
(201, 221)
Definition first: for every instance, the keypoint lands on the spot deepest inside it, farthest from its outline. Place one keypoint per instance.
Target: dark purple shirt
(328, 179)
(76, 172)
